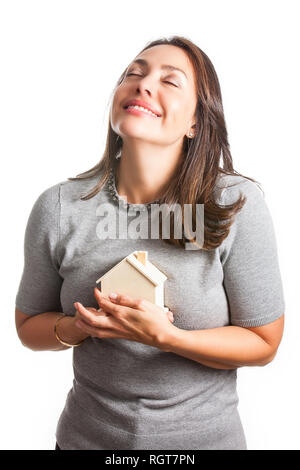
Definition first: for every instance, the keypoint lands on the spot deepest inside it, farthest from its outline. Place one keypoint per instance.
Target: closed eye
(142, 75)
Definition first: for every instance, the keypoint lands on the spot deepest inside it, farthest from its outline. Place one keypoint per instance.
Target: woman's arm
(229, 346)
(37, 332)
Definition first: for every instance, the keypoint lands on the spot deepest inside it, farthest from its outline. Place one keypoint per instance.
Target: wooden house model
(135, 276)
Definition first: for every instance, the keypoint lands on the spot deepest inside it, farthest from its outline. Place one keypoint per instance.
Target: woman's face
(171, 93)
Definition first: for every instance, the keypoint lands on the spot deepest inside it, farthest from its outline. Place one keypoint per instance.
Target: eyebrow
(164, 67)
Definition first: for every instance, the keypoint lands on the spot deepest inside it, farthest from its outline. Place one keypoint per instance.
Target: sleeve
(252, 279)
(40, 284)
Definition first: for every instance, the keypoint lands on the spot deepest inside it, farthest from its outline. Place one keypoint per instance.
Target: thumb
(170, 316)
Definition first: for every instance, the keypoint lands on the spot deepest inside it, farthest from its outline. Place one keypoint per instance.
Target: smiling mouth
(140, 109)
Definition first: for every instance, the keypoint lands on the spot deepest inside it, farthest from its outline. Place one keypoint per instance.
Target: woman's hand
(125, 317)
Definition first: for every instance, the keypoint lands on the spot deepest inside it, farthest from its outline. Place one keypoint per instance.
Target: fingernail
(113, 295)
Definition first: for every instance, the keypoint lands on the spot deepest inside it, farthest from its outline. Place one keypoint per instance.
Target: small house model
(135, 276)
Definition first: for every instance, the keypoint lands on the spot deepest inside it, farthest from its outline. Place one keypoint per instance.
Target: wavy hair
(195, 178)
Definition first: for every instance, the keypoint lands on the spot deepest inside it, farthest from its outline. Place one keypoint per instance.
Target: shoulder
(253, 216)
(72, 190)
(231, 187)
(46, 200)
(66, 191)
(254, 220)
(47, 204)
(252, 225)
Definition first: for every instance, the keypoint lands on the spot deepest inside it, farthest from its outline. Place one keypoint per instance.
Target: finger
(107, 303)
(79, 316)
(125, 300)
(101, 312)
(108, 306)
(90, 318)
(98, 294)
(97, 332)
(170, 316)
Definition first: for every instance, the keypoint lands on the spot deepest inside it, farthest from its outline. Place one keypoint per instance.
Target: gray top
(127, 395)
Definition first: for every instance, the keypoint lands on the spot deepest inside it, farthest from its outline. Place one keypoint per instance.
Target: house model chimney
(142, 256)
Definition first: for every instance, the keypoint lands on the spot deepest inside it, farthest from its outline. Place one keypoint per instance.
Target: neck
(143, 174)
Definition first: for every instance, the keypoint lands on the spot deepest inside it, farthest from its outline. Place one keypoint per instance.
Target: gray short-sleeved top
(127, 395)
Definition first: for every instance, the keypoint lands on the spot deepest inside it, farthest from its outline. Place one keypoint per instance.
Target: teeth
(142, 109)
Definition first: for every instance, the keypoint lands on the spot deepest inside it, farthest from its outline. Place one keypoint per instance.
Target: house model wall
(135, 276)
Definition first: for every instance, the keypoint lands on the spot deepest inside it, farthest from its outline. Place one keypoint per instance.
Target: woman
(144, 378)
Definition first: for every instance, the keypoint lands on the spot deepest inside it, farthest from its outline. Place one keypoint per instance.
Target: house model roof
(145, 267)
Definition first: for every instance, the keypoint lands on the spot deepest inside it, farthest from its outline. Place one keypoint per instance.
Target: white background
(59, 63)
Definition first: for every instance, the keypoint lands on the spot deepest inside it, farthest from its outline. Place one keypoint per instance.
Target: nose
(143, 90)
(144, 86)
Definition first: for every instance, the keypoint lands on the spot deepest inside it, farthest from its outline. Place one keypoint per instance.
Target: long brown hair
(195, 178)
